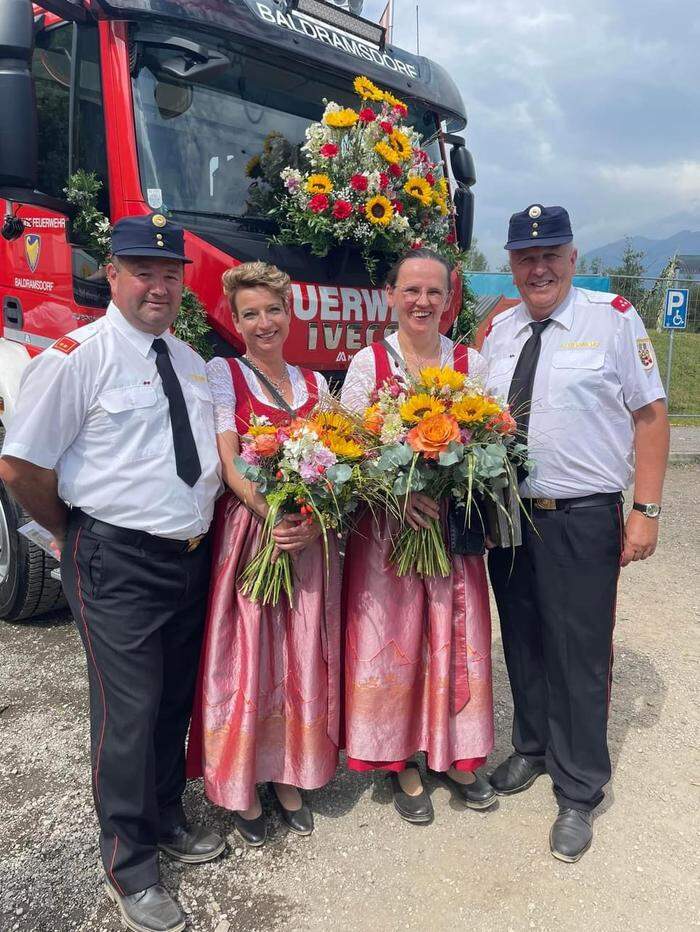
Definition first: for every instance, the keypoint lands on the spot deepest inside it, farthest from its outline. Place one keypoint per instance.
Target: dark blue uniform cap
(152, 235)
(539, 226)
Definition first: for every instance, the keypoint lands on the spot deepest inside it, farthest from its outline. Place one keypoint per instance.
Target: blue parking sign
(676, 309)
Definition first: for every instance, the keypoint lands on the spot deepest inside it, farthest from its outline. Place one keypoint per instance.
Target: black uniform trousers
(140, 615)
(556, 604)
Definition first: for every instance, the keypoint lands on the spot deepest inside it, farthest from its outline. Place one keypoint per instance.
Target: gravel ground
(685, 439)
(364, 868)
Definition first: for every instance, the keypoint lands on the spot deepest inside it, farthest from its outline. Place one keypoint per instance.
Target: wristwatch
(651, 510)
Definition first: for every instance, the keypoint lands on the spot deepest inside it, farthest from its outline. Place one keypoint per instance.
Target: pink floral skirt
(267, 704)
(417, 657)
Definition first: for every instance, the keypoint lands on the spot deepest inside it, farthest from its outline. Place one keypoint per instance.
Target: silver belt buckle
(194, 542)
(545, 504)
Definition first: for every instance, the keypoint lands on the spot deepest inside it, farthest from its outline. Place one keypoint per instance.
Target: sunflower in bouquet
(441, 434)
(313, 467)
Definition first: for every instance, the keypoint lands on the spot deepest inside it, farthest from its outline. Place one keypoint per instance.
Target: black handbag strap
(276, 396)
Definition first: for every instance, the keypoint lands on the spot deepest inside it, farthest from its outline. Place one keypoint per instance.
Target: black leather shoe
(150, 910)
(416, 809)
(300, 821)
(477, 795)
(571, 835)
(516, 774)
(252, 831)
(193, 844)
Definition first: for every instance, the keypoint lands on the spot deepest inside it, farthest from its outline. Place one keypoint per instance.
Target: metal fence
(677, 351)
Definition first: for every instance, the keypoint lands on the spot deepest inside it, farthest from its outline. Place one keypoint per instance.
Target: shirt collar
(563, 314)
(138, 338)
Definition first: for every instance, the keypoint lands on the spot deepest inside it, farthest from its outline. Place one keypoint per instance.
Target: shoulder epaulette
(71, 341)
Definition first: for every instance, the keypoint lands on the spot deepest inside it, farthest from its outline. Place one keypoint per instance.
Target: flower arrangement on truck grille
(369, 183)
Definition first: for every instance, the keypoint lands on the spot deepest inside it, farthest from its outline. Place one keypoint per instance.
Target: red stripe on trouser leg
(614, 607)
(91, 653)
(364, 765)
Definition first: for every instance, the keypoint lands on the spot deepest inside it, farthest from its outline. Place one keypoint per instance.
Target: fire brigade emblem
(158, 220)
(32, 250)
(646, 353)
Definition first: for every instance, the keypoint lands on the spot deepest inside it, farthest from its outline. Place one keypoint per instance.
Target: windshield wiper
(244, 219)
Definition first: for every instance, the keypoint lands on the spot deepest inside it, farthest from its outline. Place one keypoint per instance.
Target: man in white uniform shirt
(579, 372)
(112, 449)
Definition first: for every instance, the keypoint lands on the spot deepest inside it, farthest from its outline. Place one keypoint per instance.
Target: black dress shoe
(571, 835)
(416, 809)
(150, 910)
(193, 844)
(477, 795)
(252, 831)
(515, 774)
(300, 821)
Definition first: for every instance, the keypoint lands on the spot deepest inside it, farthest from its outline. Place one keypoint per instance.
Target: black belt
(585, 501)
(140, 539)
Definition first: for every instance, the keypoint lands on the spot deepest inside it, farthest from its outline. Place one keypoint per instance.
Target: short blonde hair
(255, 275)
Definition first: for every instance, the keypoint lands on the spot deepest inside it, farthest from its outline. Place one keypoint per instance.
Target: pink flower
(430, 178)
(465, 435)
(397, 205)
(386, 126)
(249, 456)
(383, 180)
(319, 203)
(291, 184)
(451, 238)
(395, 170)
(342, 209)
(367, 115)
(400, 110)
(329, 150)
(421, 156)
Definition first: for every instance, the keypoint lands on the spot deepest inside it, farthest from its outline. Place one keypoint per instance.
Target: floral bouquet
(442, 435)
(369, 182)
(312, 468)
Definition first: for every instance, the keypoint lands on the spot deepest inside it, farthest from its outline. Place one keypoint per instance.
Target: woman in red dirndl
(417, 651)
(267, 705)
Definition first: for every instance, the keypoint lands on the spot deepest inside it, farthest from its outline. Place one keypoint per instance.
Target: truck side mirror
(463, 166)
(19, 127)
(464, 209)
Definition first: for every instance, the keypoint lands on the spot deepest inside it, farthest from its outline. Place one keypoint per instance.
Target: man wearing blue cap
(579, 373)
(113, 449)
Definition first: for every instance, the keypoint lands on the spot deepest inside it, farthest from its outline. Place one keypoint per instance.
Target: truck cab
(174, 106)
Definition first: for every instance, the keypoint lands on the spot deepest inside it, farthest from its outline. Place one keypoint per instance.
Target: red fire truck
(166, 102)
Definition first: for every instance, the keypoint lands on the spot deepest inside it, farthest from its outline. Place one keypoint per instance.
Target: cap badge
(158, 220)
(535, 212)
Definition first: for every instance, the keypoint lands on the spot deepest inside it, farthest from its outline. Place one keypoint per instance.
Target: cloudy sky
(592, 104)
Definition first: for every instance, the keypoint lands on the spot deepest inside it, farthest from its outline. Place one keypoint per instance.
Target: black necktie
(520, 391)
(186, 457)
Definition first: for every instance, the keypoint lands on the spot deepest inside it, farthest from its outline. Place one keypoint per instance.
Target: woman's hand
(419, 510)
(294, 533)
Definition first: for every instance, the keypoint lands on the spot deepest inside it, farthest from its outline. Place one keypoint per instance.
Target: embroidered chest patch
(645, 352)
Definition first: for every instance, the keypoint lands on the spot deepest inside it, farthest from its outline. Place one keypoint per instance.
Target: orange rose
(265, 445)
(502, 423)
(433, 435)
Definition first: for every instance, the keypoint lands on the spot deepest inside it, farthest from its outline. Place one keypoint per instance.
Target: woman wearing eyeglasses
(417, 651)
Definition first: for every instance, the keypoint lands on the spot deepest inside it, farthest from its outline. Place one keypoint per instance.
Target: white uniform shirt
(361, 376)
(224, 394)
(596, 366)
(96, 412)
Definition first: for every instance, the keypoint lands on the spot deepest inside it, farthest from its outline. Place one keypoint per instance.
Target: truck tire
(26, 586)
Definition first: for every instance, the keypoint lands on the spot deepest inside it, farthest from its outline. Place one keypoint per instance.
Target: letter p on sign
(676, 309)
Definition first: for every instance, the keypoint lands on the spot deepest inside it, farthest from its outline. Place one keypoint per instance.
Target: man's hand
(641, 537)
(420, 510)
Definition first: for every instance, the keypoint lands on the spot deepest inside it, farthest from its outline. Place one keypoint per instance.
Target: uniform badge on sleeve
(65, 345)
(646, 353)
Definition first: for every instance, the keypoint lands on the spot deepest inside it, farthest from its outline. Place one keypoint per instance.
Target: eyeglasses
(434, 295)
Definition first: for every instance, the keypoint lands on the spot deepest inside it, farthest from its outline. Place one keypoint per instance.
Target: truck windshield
(218, 146)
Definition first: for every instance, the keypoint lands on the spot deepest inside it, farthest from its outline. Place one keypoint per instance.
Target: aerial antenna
(417, 31)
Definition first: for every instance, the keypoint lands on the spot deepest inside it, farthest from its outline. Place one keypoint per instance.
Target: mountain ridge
(657, 252)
